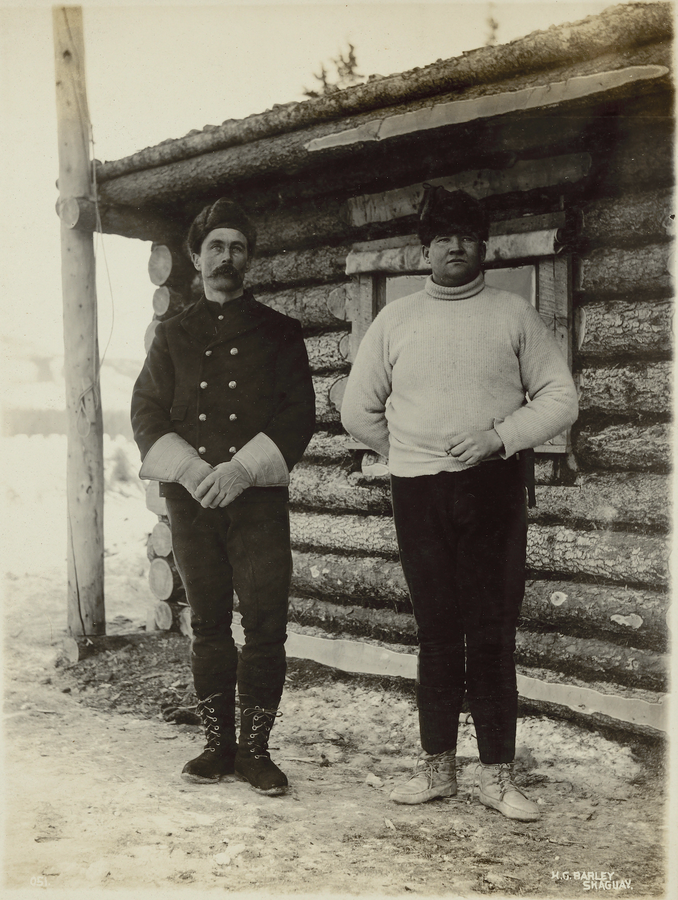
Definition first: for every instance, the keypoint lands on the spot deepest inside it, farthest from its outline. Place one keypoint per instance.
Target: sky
(156, 71)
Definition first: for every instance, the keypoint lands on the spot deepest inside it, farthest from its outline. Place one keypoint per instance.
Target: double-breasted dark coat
(217, 381)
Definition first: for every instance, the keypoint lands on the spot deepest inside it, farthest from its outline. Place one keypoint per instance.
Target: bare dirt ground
(94, 801)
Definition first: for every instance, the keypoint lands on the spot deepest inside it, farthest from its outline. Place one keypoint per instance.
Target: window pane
(518, 280)
(403, 286)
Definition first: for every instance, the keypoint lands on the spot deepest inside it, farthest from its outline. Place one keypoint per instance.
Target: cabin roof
(618, 29)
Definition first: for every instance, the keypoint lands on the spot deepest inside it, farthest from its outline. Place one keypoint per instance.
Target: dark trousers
(244, 546)
(462, 539)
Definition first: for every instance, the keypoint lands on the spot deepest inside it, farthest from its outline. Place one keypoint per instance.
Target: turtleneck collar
(461, 292)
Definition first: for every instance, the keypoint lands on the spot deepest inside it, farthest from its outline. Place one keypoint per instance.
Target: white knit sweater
(447, 360)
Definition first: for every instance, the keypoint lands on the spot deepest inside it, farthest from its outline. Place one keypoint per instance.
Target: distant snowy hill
(34, 393)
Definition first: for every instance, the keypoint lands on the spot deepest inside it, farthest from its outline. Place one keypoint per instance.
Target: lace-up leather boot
(252, 761)
(218, 718)
(497, 789)
(434, 776)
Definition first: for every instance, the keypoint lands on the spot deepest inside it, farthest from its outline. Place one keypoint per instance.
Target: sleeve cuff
(503, 430)
(167, 458)
(263, 462)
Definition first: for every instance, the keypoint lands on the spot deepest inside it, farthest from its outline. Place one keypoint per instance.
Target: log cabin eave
(624, 28)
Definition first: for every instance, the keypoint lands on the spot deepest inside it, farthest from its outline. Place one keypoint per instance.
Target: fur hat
(221, 214)
(442, 211)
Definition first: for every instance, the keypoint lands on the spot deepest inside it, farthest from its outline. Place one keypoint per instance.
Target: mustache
(225, 269)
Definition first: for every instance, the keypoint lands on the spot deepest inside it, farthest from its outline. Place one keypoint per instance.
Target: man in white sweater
(439, 387)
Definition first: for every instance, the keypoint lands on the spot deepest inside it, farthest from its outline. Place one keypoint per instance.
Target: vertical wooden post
(85, 470)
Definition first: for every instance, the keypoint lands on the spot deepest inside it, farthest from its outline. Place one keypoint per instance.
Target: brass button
(202, 417)
(202, 449)
(234, 351)
(208, 352)
(232, 384)
(203, 385)
(233, 417)
(231, 450)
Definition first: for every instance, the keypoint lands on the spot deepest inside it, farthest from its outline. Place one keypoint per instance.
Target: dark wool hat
(222, 214)
(442, 211)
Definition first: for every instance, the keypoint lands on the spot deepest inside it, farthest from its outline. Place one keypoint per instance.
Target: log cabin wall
(594, 636)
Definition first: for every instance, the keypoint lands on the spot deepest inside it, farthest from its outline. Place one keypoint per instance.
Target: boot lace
(428, 766)
(260, 728)
(502, 775)
(210, 722)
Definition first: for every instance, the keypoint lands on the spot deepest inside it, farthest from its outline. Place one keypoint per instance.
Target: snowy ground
(93, 795)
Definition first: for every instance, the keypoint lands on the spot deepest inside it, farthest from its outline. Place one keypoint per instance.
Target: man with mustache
(439, 387)
(222, 410)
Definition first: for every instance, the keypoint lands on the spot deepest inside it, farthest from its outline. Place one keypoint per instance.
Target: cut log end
(163, 579)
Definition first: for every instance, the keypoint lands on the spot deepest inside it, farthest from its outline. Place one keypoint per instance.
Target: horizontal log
(77, 212)
(593, 659)
(631, 447)
(335, 488)
(359, 621)
(521, 175)
(620, 500)
(621, 327)
(627, 389)
(325, 352)
(307, 224)
(629, 217)
(626, 500)
(639, 154)
(327, 448)
(307, 304)
(627, 615)
(615, 556)
(143, 224)
(337, 389)
(611, 271)
(396, 256)
(361, 581)
(322, 264)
